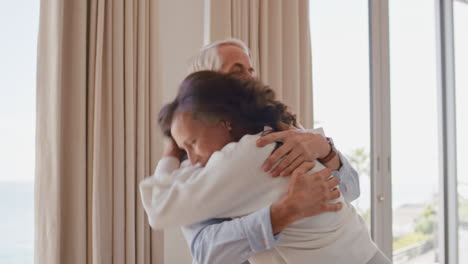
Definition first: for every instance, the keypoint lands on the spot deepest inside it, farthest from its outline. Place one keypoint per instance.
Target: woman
(216, 119)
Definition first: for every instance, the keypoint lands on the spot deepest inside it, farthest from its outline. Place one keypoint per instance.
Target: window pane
(340, 63)
(414, 111)
(18, 27)
(461, 82)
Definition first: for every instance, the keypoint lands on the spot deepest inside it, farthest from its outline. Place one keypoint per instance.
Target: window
(461, 83)
(409, 144)
(340, 63)
(18, 26)
(414, 131)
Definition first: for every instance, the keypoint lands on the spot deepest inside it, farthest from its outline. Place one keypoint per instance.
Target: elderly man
(236, 240)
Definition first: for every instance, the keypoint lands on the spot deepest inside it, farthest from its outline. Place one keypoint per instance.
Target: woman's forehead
(182, 120)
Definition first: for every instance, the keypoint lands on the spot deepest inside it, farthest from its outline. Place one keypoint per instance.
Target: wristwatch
(332, 152)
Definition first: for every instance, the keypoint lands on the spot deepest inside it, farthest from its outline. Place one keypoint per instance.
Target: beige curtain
(277, 32)
(97, 103)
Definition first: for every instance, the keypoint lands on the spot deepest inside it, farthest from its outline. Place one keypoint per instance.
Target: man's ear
(283, 126)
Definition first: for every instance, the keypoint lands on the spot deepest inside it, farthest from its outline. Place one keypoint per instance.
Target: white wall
(180, 37)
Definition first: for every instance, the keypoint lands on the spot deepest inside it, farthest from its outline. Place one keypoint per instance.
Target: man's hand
(171, 149)
(298, 146)
(307, 195)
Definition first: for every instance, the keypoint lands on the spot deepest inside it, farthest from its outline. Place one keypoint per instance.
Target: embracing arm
(344, 172)
(231, 241)
(234, 241)
(227, 186)
(309, 145)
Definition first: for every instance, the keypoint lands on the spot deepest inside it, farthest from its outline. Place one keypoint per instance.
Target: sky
(18, 39)
(461, 75)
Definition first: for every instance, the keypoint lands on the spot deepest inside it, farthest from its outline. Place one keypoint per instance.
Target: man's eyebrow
(238, 64)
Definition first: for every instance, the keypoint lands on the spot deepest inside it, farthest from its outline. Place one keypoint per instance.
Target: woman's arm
(227, 186)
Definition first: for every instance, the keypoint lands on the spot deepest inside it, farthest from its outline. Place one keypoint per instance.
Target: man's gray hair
(208, 58)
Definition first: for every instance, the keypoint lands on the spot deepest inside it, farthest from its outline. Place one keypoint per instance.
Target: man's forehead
(230, 57)
(230, 50)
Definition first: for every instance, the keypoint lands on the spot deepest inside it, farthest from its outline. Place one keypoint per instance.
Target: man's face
(235, 60)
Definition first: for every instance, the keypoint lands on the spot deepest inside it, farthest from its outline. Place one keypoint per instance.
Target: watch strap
(328, 157)
(332, 152)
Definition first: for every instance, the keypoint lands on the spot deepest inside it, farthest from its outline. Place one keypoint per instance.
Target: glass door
(414, 132)
(460, 14)
(340, 64)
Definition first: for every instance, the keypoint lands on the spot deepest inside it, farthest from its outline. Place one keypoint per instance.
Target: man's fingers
(324, 174)
(332, 183)
(334, 194)
(333, 207)
(294, 166)
(304, 167)
(288, 159)
(272, 137)
(277, 154)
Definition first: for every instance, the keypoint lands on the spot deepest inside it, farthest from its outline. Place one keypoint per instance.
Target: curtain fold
(96, 138)
(277, 32)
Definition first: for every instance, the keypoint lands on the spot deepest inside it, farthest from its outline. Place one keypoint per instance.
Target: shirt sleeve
(166, 173)
(195, 194)
(231, 241)
(165, 166)
(349, 180)
(347, 175)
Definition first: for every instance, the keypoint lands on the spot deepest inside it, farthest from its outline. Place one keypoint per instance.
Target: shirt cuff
(349, 180)
(344, 163)
(167, 164)
(258, 230)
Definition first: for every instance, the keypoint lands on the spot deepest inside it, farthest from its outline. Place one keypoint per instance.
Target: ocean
(16, 222)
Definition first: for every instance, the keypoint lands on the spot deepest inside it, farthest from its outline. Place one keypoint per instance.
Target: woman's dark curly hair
(245, 102)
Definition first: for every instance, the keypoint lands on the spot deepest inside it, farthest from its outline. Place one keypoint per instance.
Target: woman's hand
(171, 149)
(298, 146)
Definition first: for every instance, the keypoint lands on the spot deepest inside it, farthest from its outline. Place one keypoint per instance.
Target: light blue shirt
(234, 241)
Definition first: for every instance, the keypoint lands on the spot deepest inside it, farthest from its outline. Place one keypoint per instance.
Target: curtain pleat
(155, 146)
(97, 104)
(277, 32)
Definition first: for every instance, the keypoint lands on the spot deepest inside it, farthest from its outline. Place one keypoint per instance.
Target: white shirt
(232, 184)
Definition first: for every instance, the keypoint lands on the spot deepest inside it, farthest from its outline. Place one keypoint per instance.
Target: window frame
(448, 219)
(381, 178)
